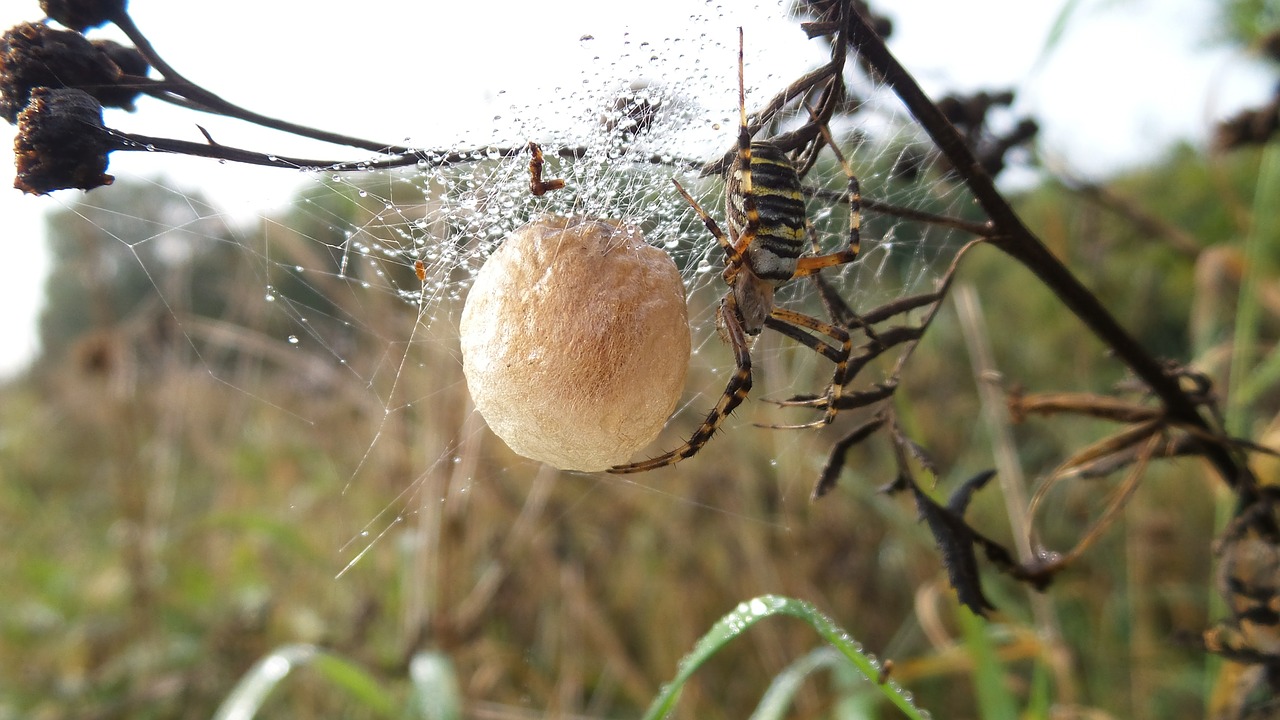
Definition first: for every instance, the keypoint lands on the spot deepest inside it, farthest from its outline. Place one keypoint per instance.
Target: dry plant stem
(209, 102)
(1088, 404)
(940, 294)
(130, 141)
(986, 376)
(1012, 481)
(1010, 235)
(149, 143)
(1177, 238)
(416, 158)
(1119, 498)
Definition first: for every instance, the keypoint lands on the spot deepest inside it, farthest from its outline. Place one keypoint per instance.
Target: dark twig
(418, 158)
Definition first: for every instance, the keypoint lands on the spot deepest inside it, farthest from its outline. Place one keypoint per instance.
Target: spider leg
(739, 185)
(818, 345)
(806, 266)
(734, 393)
(733, 257)
(743, 221)
(787, 322)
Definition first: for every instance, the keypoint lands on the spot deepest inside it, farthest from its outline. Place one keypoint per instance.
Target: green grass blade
(777, 699)
(358, 684)
(1264, 377)
(435, 687)
(1057, 31)
(251, 692)
(1245, 385)
(995, 700)
(757, 609)
(1040, 699)
(249, 695)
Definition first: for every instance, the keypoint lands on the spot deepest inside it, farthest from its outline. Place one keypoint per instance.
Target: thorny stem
(1013, 238)
(133, 141)
(422, 158)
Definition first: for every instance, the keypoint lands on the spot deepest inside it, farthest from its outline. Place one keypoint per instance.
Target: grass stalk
(250, 694)
(753, 611)
(1242, 388)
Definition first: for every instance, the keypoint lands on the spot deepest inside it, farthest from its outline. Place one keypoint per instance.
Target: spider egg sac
(575, 342)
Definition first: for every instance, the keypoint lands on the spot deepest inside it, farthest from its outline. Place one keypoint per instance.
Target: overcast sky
(377, 69)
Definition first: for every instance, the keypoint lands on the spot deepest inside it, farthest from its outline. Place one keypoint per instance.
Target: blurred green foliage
(1249, 22)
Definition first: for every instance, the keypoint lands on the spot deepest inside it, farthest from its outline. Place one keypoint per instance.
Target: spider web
(338, 301)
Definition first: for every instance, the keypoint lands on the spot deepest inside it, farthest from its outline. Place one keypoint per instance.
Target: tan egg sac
(575, 342)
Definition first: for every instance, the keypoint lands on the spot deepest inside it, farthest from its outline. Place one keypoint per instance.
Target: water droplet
(293, 339)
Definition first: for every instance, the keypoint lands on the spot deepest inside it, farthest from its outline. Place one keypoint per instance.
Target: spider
(765, 213)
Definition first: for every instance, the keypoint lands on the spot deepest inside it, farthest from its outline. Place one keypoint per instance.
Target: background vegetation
(167, 524)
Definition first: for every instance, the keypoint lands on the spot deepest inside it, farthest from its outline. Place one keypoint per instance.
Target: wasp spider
(765, 213)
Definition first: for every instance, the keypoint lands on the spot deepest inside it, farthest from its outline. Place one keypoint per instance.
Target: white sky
(382, 68)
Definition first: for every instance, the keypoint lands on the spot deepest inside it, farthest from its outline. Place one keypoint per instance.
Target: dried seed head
(1255, 126)
(80, 15)
(130, 62)
(35, 55)
(635, 111)
(575, 342)
(61, 142)
(1270, 45)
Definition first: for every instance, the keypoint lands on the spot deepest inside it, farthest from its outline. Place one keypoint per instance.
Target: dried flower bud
(634, 111)
(80, 15)
(1270, 44)
(575, 342)
(131, 63)
(1255, 126)
(61, 142)
(35, 55)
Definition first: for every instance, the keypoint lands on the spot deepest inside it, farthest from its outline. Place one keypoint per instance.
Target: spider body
(764, 209)
(765, 248)
(774, 188)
